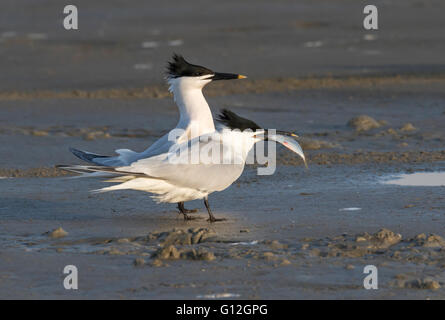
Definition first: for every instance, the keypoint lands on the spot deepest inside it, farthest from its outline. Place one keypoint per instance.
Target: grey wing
(125, 156)
(178, 168)
(87, 156)
(162, 145)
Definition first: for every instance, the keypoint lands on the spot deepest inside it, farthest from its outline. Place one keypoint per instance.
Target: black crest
(234, 121)
(178, 67)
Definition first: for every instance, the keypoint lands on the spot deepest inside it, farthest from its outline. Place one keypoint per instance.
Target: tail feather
(111, 170)
(74, 168)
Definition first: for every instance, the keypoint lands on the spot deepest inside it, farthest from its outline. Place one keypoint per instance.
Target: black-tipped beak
(279, 132)
(284, 133)
(226, 76)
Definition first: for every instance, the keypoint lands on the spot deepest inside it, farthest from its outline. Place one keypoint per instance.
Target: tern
(165, 169)
(186, 82)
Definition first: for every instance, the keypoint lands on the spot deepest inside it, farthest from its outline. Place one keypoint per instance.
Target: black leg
(211, 216)
(184, 211)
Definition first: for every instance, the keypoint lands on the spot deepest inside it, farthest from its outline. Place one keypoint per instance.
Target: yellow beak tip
(240, 76)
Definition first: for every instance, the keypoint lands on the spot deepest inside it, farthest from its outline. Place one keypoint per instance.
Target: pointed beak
(286, 133)
(227, 76)
(282, 133)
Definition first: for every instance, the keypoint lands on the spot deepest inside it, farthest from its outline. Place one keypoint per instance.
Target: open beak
(227, 76)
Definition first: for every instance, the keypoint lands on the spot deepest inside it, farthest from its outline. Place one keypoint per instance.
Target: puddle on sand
(419, 179)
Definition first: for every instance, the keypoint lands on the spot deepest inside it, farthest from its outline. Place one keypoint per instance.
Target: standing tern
(186, 82)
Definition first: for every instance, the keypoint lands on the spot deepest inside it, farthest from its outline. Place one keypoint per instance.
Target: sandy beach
(369, 107)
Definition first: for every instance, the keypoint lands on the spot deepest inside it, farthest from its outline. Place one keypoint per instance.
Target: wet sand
(296, 234)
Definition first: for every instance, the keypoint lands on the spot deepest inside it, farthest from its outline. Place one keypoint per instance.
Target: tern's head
(179, 70)
(234, 122)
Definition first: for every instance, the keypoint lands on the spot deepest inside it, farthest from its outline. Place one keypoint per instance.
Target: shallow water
(419, 179)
